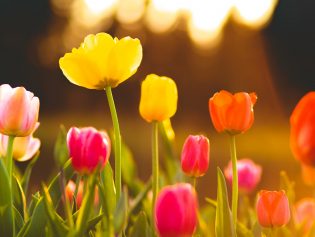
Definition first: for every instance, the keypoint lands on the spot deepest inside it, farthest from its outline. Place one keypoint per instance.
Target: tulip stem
(235, 179)
(117, 141)
(9, 161)
(155, 164)
(194, 181)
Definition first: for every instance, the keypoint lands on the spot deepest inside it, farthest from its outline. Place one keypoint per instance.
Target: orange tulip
(232, 113)
(302, 137)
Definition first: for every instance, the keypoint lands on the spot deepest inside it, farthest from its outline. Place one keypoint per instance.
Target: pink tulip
(195, 155)
(249, 175)
(24, 147)
(176, 211)
(18, 111)
(88, 149)
(70, 189)
(272, 208)
(304, 213)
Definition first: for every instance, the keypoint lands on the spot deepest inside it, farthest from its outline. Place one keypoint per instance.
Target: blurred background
(266, 46)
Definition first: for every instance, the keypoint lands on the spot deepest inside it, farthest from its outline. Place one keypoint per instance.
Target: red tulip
(232, 113)
(195, 155)
(176, 211)
(249, 174)
(302, 137)
(272, 208)
(88, 149)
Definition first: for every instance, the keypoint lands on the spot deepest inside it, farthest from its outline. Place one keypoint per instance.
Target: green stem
(195, 182)
(117, 141)
(77, 184)
(68, 211)
(235, 179)
(155, 164)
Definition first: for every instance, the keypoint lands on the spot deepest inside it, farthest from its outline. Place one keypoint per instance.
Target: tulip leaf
(61, 153)
(38, 220)
(243, 231)
(256, 230)
(108, 191)
(141, 226)
(27, 174)
(6, 215)
(120, 215)
(19, 199)
(223, 222)
(19, 222)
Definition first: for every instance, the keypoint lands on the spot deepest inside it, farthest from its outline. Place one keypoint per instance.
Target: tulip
(249, 175)
(158, 98)
(88, 149)
(24, 147)
(304, 213)
(232, 113)
(102, 61)
(302, 135)
(176, 211)
(195, 155)
(18, 111)
(70, 190)
(272, 208)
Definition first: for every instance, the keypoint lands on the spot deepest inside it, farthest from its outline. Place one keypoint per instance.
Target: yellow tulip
(158, 98)
(102, 61)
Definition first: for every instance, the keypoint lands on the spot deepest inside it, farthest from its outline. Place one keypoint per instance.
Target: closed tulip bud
(176, 211)
(249, 175)
(195, 155)
(18, 111)
(232, 113)
(302, 135)
(24, 148)
(102, 61)
(70, 190)
(272, 208)
(158, 98)
(88, 148)
(304, 213)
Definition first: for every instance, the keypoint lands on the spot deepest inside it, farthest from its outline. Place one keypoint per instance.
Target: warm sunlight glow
(130, 11)
(99, 6)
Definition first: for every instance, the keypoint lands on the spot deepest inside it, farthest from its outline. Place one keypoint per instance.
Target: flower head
(24, 147)
(272, 208)
(18, 111)
(232, 113)
(158, 98)
(102, 61)
(304, 213)
(88, 148)
(195, 155)
(176, 211)
(302, 135)
(249, 174)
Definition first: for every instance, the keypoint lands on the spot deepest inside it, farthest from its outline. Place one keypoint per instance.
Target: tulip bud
(232, 113)
(302, 135)
(18, 111)
(249, 175)
(88, 149)
(70, 189)
(158, 98)
(304, 213)
(24, 147)
(195, 155)
(272, 208)
(176, 211)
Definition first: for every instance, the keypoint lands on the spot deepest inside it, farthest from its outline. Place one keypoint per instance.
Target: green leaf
(6, 215)
(61, 153)
(38, 219)
(55, 221)
(120, 216)
(28, 171)
(256, 230)
(223, 222)
(243, 231)
(19, 222)
(19, 199)
(108, 190)
(141, 227)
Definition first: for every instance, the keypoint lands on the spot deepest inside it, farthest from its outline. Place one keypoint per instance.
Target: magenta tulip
(176, 211)
(88, 149)
(195, 155)
(249, 174)
(18, 111)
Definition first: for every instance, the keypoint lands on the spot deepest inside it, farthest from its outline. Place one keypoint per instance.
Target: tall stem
(155, 164)
(9, 162)
(235, 179)
(117, 141)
